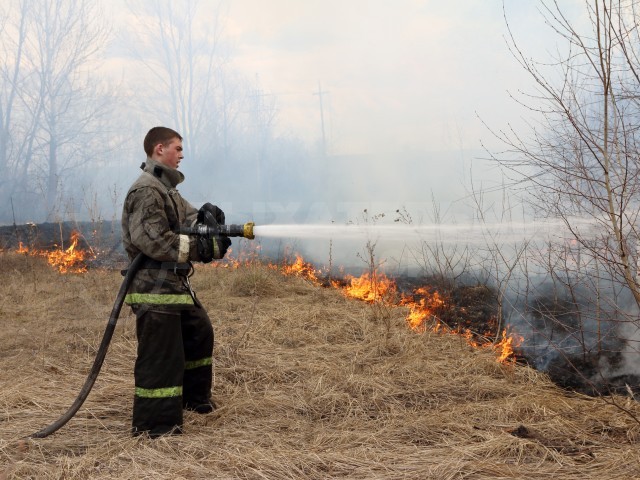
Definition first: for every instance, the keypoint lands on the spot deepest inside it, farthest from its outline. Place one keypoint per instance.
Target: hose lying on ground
(102, 352)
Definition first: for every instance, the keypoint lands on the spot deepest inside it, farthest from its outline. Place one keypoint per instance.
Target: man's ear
(158, 149)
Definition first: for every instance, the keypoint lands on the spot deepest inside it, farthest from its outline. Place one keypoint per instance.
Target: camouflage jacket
(151, 217)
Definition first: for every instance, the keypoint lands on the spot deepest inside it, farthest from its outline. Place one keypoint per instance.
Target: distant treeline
(104, 236)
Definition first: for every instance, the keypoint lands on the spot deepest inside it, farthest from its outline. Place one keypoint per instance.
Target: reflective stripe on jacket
(158, 299)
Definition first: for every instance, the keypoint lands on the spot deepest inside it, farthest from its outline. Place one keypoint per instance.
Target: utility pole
(320, 93)
(262, 111)
(328, 186)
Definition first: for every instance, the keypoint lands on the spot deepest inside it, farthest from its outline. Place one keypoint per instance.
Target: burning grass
(67, 260)
(309, 384)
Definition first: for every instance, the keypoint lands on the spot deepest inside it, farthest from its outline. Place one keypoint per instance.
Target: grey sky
(407, 75)
(409, 84)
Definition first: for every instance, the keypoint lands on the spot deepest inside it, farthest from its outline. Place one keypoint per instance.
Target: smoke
(581, 331)
(304, 116)
(349, 132)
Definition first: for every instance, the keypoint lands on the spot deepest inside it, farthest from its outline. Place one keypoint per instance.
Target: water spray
(435, 232)
(445, 233)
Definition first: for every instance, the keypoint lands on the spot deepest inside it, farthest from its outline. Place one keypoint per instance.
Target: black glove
(208, 212)
(211, 247)
(220, 246)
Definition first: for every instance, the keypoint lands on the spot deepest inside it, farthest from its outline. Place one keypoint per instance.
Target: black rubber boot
(201, 408)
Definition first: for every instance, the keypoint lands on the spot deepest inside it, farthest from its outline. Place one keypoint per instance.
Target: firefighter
(173, 368)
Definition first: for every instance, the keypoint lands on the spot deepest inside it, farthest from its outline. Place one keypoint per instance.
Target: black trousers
(173, 368)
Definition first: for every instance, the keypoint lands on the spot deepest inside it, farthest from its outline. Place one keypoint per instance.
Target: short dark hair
(158, 135)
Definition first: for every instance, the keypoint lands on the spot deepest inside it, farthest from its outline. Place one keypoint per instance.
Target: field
(309, 385)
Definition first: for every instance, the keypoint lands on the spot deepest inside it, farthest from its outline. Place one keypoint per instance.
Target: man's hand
(211, 248)
(209, 212)
(220, 246)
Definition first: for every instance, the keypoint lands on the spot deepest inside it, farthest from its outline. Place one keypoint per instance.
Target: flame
(424, 305)
(303, 269)
(70, 260)
(246, 256)
(504, 348)
(423, 310)
(369, 287)
(229, 261)
(22, 249)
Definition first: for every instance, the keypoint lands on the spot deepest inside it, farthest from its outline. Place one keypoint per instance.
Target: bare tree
(181, 49)
(68, 39)
(13, 31)
(580, 161)
(52, 104)
(190, 84)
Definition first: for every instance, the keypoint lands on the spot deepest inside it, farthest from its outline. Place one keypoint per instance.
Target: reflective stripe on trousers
(158, 392)
(203, 362)
(158, 299)
(173, 366)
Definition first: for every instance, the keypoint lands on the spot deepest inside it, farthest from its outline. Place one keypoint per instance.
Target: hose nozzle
(248, 230)
(245, 230)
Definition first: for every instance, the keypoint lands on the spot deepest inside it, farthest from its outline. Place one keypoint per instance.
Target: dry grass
(309, 386)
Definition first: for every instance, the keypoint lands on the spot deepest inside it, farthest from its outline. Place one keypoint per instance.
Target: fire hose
(245, 231)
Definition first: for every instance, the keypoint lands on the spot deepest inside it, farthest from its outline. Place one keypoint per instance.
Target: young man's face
(170, 154)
